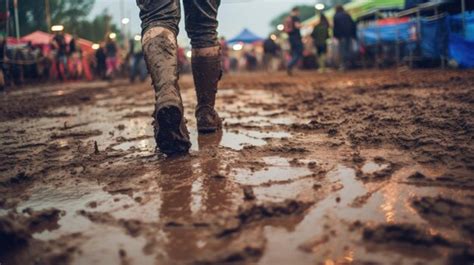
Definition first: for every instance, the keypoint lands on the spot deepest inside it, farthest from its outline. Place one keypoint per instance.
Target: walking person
(320, 36)
(270, 54)
(292, 27)
(344, 32)
(225, 55)
(160, 20)
(136, 54)
(100, 59)
(111, 51)
(3, 47)
(60, 47)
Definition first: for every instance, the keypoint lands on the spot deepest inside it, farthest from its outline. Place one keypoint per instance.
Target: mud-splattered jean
(200, 18)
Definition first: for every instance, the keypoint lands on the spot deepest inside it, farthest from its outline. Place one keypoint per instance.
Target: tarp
(460, 50)
(392, 20)
(456, 24)
(245, 36)
(461, 42)
(386, 33)
(389, 4)
(357, 8)
(433, 35)
(413, 3)
(434, 38)
(43, 38)
(14, 41)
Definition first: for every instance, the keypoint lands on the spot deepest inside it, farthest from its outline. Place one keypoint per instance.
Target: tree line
(73, 14)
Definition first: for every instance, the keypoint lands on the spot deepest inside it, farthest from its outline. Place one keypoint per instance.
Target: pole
(7, 24)
(122, 28)
(463, 10)
(48, 14)
(7, 31)
(17, 22)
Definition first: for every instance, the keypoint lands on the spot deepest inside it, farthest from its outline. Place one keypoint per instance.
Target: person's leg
(294, 58)
(108, 67)
(347, 52)
(134, 70)
(342, 53)
(201, 26)
(296, 55)
(142, 69)
(160, 20)
(322, 58)
(64, 61)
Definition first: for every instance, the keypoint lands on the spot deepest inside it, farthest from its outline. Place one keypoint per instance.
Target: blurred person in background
(251, 61)
(100, 61)
(3, 47)
(292, 27)
(75, 65)
(160, 21)
(72, 46)
(183, 63)
(225, 55)
(31, 66)
(344, 31)
(111, 52)
(270, 53)
(60, 47)
(138, 63)
(75, 59)
(320, 36)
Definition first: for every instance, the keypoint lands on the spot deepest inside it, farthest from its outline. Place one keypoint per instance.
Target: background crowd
(338, 39)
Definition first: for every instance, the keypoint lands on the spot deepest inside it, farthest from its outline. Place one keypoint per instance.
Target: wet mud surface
(370, 167)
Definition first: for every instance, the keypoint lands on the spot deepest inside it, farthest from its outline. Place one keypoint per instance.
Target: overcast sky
(234, 15)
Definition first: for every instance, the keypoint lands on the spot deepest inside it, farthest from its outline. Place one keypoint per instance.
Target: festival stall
(245, 36)
(246, 50)
(43, 40)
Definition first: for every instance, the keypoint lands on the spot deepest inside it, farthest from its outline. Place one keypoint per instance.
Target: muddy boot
(160, 48)
(207, 71)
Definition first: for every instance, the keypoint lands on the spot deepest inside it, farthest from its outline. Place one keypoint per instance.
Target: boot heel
(171, 138)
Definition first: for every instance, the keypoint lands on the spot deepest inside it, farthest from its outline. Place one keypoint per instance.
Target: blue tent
(245, 36)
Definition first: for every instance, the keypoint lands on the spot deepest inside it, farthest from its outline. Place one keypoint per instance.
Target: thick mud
(369, 167)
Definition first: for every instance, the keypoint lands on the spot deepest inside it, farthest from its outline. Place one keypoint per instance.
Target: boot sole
(170, 139)
(207, 130)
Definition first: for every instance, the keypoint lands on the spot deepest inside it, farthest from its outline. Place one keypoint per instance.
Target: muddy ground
(369, 167)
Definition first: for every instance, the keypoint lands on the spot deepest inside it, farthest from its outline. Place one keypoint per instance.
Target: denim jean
(138, 68)
(296, 54)
(345, 51)
(200, 18)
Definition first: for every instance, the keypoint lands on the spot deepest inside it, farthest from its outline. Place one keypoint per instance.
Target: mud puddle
(353, 168)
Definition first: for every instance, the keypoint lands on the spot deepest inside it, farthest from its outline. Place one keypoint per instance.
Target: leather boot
(160, 49)
(207, 72)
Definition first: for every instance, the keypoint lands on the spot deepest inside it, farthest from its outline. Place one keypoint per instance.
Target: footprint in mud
(16, 230)
(446, 212)
(279, 170)
(377, 170)
(461, 180)
(411, 240)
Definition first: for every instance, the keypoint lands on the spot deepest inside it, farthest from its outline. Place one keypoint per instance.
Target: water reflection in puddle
(260, 120)
(279, 170)
(143, 144)
(230, 139)
(81, 196)
(372, 167)
(237, 140)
